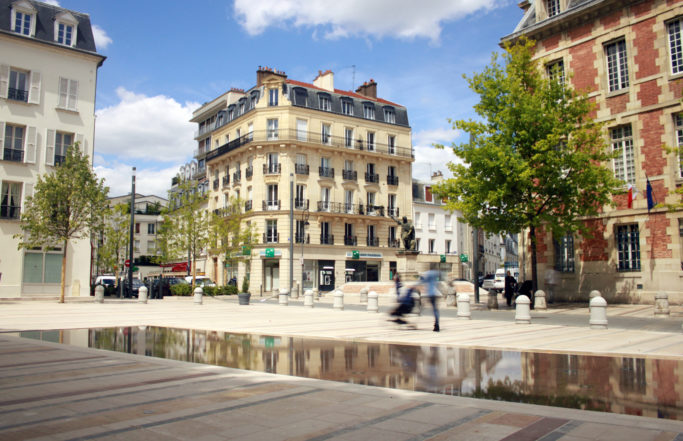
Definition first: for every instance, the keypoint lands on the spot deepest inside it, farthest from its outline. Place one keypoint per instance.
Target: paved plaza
(62, 392)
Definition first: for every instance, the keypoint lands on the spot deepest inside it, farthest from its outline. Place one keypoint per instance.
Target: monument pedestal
(406, 265)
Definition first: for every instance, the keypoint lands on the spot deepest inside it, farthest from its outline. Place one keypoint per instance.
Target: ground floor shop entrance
(362, 271)
(271, 275)
(326, 279)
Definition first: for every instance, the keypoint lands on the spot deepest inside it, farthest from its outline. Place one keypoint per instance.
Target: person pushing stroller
(406, 304)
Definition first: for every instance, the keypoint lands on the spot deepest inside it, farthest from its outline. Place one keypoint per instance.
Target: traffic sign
(127, 263)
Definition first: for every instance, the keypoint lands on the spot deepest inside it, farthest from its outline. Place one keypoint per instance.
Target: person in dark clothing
(406, 303)
(510, 284)
(397, 280)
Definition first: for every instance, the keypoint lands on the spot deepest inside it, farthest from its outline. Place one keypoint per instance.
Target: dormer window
(389, 115)
(24, 18)
(347, 107)
(369, 111)
(65, 34)
(324, 103)
(66, 27)
(552, 7)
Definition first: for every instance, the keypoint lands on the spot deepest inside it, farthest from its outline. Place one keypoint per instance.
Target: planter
(243, 298)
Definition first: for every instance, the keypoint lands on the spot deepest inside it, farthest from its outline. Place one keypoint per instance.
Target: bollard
(661, 305)
(295, 290)
(338, 300)
(464, 307)
(523, 310)
(142, 294)
(198, 293)
(373, 302)
(539, 300)
(99, 294)
(316, 294)
(283, 297)
(493, 300)
(364, 295)
(598, 309)
(308, 298)
(591, 296)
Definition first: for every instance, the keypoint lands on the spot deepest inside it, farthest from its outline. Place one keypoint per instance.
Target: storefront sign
(443, 258)
(355, 254)
(463, 257)
(270, 252)
(362, 255)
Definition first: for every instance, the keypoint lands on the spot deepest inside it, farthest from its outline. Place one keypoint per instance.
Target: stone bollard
(283, 298)
(198, 293)
(364, 295)
(316, 294)
(523, 310)
(539, 300)
(598, 309)
(493, 300)
(373, 302)
(295, 290)
(464, 307)
(661, 305)
(99, 294)
(142, 294)
(338, 300)
(308, 298)
(591, 296)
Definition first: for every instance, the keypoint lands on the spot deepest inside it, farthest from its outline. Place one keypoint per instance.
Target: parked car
(499, 280)
(109, 283)
(487, 282)
(137, 283)
(200, 281)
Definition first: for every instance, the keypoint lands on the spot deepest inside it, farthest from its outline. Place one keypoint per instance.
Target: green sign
(270, 342)
(270, 252)
(463, 257)
(443, 258)
(135, 269)
(246, 250)
(355, 254)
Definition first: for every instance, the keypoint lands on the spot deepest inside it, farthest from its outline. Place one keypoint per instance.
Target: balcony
(10, 211)
(373, 241)
(350, 240)
(392, 180)
(375, 210)
(325, 206)
(310, 137)
(300, 204)
(226, 180)
(216, 183)
(248, 205)
(327, 239)
(392, 211)
(349, 175)
(236, 178)
(249, 172)
(301, 169)
(326, 172)
(302, 238)
(17, 94)
(372, 178)
(394, 243)
(13, 155)
(272, 169)
(59, 159)
(271, 237)
(271, 205)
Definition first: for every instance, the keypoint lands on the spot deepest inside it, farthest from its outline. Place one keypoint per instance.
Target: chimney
(524, 5)
(368, 89)
(325, 80)
(264, 71)
(437, 177)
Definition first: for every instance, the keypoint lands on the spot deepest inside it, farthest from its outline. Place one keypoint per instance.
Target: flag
(630, 196)
(650, 196)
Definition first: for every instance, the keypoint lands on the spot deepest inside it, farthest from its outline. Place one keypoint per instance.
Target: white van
(499, 280)
(200, 281)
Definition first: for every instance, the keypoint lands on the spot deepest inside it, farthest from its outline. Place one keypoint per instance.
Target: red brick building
(628, 56)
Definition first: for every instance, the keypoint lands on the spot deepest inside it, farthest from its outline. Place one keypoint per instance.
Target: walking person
(397, 281)
(550, 282)
(429, 279)
(510, 284)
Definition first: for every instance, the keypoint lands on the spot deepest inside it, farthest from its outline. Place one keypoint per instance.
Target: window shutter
(50, 147)
(2, 135)
(27, 193)
(30, 148)
(34, 93)
(4, 81)
(80, 139)
(73, 95)
(63, 90)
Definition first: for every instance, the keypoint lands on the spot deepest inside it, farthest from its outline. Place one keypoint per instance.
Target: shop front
(362, 267)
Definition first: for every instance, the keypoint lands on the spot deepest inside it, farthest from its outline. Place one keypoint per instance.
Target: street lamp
(304, 223)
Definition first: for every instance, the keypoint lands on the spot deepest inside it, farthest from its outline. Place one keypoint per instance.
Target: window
(242, 107)
(42, 267)
(301, 130)
(552, 7)
(624, 163)
(348, 201)
(628, 247)
(347, 107)
(391, 145)
(555, 71)
(325, 236)
(137, 228)
(271, 231)
(250, 132)
(448, 246)
(564, 254)
(371, 141)
(371, 202)
(273, 96)
(678, 118)
(136, 246)
(272, 202)
(23, 22)
(417, 244)
(151, 228)
(348, 138)
(272, 129)
(369, 111)
(13, 149)
(432, 246)
(151, 246)
(680, 234)
(391, 205)
(389, 115)
(18, 89)
(273, 164)
(325, 137)
(300, 197)
(418, 220)
(62, 142)
(448, 223)
(10, 206)
(65, 34)
(324, 199)
(675, 49)
(324, 103)
(432, 221)
(617, 65)
(372, 236)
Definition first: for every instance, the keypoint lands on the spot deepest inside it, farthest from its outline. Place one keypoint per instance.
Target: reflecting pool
(628, 385)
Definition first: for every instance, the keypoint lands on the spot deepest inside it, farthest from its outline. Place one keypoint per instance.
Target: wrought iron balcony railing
(271, 237)
(272, 169)
(350, 240)
(326, 172)
(373, 241)
(392, 180)
(301, 169)
(300, 204)
(372, 178)
(327, 239)
(249, 172)
(271, 205)
(349, 175)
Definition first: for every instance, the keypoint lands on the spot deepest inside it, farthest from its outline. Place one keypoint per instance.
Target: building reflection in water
(636, 386)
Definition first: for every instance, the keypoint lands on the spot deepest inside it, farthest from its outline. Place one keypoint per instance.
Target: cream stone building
(48, 73)
(321, 172)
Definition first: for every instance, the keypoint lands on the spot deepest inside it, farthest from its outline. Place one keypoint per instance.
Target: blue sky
(165, 58)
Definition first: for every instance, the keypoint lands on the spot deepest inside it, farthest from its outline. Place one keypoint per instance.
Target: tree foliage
(229, 233)
(535, 157)
(67, 205)
(115, 236)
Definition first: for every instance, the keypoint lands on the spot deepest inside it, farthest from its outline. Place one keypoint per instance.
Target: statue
(407, 233)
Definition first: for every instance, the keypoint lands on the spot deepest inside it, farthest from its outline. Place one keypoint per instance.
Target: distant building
(48, 73)
(627, 55)
(147, 221)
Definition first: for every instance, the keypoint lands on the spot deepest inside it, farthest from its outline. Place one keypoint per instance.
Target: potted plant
(244, 295)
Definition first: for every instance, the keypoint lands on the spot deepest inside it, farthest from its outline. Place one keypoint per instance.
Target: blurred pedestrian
(397, 281)
(510, 284)
(550, 283)
(429, 280)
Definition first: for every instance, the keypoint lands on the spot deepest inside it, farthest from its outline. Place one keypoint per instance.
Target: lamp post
(291, 232)
(131, 236)
(304, 220)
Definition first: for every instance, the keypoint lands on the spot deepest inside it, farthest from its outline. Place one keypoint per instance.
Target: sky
(166, 58)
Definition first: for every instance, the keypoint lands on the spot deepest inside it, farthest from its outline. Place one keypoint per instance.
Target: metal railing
(226, 180)
(392, 180)
(349, 175)
(249, 171)
(271, 205)
(350, 240)
(301, 169)
(17, 94)
(272, 237)
(236, 177)
(299, 238)
(392, 211)
(326, 172)
(345, 208)
(373, 241)
(216, 184)
(393, 243)
(300, 204)
(327, 239)
(248, 205)
(372, 178)
(272, 169)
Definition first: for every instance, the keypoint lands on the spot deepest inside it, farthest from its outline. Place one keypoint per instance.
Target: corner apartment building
(339, 160)
(444, 243)
(628, 56)
(48, 74)
(147, 221)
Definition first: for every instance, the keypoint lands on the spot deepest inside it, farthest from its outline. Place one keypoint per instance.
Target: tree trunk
(63, 283)
(534, 271)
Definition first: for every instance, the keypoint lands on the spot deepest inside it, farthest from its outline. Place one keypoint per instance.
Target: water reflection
(635, 386)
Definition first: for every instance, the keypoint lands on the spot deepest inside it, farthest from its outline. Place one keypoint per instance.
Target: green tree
(534, 158)
(229, 233)
(115, 237)
(67, 205)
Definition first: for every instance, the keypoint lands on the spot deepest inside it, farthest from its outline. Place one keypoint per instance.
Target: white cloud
(102, 40)
(394, 18)
(147, 128)
(429, 159)
(148, 181)
(51, 2)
